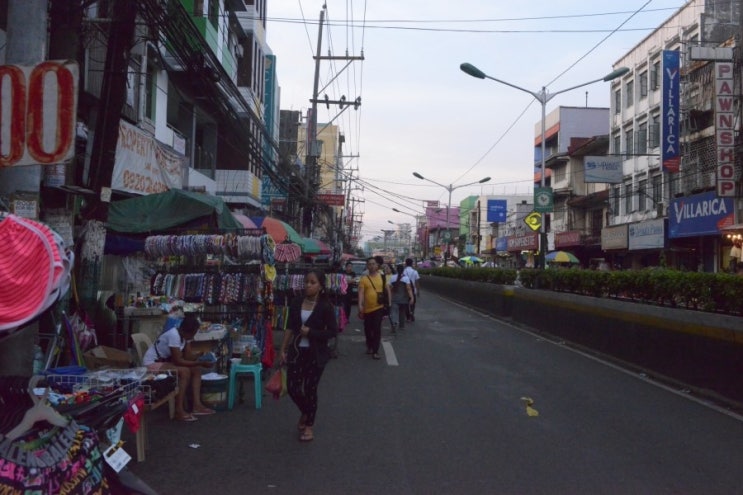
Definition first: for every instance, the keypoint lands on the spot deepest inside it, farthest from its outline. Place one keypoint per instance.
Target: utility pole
(25, 45)
(312, 170)
(113, 96)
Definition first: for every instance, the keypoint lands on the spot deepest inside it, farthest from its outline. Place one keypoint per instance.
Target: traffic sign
(533, 220)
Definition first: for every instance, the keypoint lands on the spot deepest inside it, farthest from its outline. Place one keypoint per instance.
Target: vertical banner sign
(669, 129)
(724, 132)
(39, 108)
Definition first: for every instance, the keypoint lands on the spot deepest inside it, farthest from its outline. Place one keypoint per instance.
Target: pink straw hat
(26, 272)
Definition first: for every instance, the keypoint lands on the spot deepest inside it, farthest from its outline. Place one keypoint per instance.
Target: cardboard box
(103, 356)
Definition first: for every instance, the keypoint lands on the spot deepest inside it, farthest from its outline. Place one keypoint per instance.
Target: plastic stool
(236, 368)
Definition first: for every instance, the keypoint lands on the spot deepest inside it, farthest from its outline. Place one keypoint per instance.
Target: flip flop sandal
(204, 413)
(306, 437)
(187, 419)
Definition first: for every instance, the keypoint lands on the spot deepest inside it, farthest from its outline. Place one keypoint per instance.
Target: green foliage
(712, 292)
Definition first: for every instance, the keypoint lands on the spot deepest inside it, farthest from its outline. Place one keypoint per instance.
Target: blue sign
(501, 244)
(701, 214)
(497, 210)
(670, 145)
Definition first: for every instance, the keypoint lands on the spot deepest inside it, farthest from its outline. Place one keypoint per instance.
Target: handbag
(276, 385)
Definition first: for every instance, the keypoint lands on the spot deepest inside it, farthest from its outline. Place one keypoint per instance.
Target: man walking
(414, 278)
(371, 306)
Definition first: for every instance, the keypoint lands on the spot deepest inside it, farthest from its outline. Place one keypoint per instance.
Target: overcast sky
(420, 112)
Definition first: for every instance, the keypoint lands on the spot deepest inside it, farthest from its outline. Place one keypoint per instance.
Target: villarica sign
(669, 129)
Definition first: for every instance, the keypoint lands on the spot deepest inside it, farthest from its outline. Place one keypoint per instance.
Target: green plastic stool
(236, 368)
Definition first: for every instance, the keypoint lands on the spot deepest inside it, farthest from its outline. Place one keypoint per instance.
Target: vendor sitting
(172, 351)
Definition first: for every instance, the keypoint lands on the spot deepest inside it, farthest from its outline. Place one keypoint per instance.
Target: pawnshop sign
(39, 111)
(724, 129)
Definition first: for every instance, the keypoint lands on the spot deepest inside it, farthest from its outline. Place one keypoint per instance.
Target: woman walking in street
(305, 348)
(372, 288)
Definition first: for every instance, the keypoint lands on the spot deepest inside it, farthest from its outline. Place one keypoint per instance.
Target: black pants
(302, 379)
(373, 329)
(411, 309)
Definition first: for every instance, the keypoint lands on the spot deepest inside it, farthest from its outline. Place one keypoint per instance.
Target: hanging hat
(26, 272)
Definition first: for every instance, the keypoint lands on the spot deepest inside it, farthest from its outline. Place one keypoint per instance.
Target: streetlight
(542, 97)
(450, 188)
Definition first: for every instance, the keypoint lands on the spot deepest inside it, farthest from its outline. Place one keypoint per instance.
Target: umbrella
(470, 259)
(279, 230)
(561, 257)
(314, 246)
(244, 221)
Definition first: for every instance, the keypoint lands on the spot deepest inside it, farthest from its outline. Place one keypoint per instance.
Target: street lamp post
(542, 97)
(450, 188)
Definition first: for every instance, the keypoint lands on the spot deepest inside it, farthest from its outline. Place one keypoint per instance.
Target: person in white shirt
(172, 352)
(414, 278)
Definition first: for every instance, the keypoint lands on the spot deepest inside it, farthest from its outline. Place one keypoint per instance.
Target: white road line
(389, 354)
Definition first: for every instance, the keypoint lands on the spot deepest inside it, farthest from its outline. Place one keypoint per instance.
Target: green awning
(168, 210)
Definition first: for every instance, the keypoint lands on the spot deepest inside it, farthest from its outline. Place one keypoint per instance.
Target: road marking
(642, 376)
(389, 354)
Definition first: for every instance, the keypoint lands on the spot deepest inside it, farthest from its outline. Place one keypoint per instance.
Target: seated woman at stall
(171, 351)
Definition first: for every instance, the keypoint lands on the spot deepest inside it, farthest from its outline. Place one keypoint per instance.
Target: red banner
(332, 199)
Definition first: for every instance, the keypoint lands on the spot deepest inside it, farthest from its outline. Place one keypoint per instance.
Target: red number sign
(40, 105)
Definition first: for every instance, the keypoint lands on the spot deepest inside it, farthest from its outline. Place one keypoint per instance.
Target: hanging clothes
(53, 460)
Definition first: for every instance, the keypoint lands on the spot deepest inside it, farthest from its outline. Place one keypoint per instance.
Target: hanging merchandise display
(35, 270)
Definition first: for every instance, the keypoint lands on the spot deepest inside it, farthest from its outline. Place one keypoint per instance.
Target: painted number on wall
(38, 107)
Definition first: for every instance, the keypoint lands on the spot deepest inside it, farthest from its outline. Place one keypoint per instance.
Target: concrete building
(647, 225)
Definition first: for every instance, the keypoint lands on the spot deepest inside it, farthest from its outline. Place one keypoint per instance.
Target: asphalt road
(445, 412)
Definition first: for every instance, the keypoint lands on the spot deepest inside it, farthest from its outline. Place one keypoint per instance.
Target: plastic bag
(276, 385)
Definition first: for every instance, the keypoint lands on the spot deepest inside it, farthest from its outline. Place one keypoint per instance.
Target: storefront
(615, 242)
(646, 242)
(696, 239)
(523, 249)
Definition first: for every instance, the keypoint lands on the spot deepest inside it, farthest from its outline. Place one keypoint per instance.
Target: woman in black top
(312, 323)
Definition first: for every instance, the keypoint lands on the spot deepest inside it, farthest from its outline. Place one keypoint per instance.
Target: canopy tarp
(168, 210)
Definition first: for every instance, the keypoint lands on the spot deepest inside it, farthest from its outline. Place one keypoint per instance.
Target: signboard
(497, 210)
(543, 201)
(725, 129)
(144, 165)
(533, 220)
(526, 242)
(701, 214)
(269, 191)
(501, 244)
(39, 114)
(647, 235)
(603, 169)
(614, 237)
(670, 112)
(332, 199)
(566, 239)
